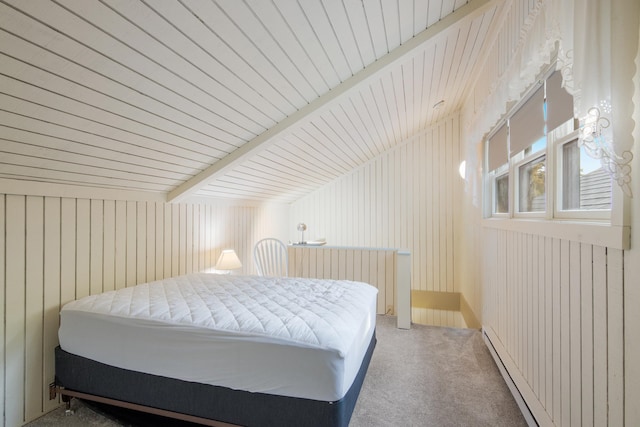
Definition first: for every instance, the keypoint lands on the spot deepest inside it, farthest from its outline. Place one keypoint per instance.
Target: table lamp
(228, 261)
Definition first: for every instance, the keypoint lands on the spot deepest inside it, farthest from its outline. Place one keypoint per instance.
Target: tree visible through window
(502, 194)
(532, 186)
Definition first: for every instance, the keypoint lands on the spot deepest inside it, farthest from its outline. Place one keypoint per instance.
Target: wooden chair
(271, 258)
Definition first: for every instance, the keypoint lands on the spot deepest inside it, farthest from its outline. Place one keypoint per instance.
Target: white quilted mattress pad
(316, 313)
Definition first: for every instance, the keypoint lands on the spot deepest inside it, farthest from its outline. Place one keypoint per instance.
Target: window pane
(571, 176)
(539, 145)
(585, 184)
(501, 193)
(532, 197)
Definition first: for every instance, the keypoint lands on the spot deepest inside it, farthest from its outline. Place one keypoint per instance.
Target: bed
(222, 349)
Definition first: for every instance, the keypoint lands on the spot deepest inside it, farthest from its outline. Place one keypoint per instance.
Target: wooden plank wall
(407, 198)
(554, 311)
(374, 266)
(55, 250)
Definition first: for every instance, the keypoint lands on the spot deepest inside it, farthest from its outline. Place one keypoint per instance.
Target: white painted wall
(562, 313)
(408, 198)
(553, 309)
(54, 250)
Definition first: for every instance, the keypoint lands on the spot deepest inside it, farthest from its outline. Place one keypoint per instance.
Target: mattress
(293, 337)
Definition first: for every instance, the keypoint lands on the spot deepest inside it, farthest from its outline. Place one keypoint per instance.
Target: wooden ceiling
(254, 100)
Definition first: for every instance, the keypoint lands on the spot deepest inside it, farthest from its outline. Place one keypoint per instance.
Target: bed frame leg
(67, 402)
(53, 392)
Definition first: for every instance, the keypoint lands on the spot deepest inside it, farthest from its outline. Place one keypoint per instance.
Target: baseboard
(517, 395)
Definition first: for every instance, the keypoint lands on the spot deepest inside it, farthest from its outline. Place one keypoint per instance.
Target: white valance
(596, 42)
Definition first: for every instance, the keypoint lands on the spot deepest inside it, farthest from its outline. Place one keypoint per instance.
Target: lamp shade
(228, 260)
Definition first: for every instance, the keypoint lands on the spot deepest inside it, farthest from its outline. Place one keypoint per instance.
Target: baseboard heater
(522, 404)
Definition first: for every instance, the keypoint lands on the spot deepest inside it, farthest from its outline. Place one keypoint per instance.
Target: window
(584, 185)
(536, 167)
(501, 191)
(532, 186)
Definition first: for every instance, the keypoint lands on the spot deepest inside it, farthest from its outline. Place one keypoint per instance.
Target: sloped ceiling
(253, 100)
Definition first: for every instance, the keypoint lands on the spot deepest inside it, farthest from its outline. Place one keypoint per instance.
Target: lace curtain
(597, 42)
(588, 53)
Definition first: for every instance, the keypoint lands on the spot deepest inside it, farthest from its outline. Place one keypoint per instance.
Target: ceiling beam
(301, 117)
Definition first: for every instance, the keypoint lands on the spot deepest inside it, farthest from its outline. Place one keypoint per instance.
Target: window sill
(594, 233)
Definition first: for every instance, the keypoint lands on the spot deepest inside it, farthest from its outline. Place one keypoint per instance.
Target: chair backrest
(271, 258)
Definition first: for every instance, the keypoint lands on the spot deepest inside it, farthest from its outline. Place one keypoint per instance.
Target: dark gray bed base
(78, 374)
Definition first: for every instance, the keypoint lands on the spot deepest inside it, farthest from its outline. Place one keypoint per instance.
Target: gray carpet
(433, 376)
(426, 376)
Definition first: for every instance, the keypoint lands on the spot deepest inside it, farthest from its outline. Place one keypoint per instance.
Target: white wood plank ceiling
(255, 99)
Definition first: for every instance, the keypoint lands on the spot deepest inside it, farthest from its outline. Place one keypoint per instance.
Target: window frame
(515, 175)
(579, 214)
(603, 227)
(495, 175)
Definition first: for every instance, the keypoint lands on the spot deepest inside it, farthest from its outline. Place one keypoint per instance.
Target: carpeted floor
(433, 376)
(425, 376)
